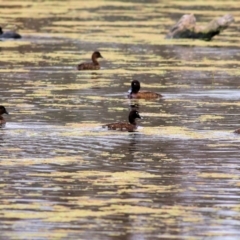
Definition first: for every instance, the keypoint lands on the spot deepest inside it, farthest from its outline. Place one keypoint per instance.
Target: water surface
(65, 177)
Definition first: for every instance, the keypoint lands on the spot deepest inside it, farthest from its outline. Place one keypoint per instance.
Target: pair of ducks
(133, 115)
(135, 86)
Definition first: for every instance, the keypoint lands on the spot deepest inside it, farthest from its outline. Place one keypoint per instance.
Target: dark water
(64, 177)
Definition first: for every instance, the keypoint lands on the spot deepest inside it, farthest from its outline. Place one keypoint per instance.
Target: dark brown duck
(2, 111)
(94, 65)
(136, 93)
(9, 34)
(124, 126)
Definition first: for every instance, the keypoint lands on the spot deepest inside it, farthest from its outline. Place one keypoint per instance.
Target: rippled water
(65, 177)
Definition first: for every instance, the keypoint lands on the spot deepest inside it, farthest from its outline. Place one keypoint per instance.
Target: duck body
(145, 95)
(122, 126)
(2, 111)
(125, 126)
(9, 34)
(94, 65)
(88, 66)
(135, 92)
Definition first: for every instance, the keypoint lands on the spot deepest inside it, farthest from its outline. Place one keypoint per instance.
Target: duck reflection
(97, 84)
(134, 106)
(133, 146)
(95, 75)
(133, 103)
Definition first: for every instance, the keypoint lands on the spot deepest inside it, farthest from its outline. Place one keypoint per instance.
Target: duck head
(97, 54)
(3, 110)
(133, 115)
(135, 87)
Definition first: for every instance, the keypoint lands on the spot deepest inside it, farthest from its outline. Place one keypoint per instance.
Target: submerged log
(186, 27)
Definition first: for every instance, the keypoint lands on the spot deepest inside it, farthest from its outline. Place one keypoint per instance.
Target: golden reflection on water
(64, 176)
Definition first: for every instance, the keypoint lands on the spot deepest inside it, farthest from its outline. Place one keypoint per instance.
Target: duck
(135, 93)
(9, 34)
(124, 126)
(91, 66)
(2, 111)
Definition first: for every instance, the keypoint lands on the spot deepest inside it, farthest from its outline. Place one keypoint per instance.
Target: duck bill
(6, 112)
(101, 56)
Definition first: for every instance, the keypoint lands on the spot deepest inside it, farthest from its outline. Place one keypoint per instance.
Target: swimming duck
(2, 111)
(91, 66)
(9, 34)
(134, 91)
(124, 126)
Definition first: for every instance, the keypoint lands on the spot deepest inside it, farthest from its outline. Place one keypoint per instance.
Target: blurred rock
(186, 27)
